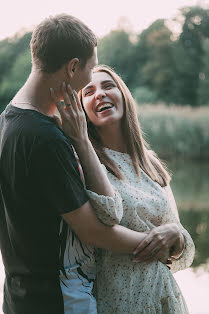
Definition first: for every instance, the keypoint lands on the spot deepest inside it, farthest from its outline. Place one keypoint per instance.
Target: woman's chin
(108, 120)
(107, 123)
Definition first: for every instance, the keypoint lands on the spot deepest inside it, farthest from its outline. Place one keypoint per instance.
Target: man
(39, 176)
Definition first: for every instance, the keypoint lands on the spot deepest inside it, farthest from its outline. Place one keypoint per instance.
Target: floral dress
(139, 288)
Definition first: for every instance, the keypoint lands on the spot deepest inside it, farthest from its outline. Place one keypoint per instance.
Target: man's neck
(35, 94)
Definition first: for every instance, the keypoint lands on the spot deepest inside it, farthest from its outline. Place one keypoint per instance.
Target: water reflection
(196, 222)
(195, 289)
(190, 184)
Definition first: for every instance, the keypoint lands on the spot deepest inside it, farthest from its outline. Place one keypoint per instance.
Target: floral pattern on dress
(142, 288)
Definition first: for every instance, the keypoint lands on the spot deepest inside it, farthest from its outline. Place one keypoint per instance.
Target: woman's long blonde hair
(138, 149)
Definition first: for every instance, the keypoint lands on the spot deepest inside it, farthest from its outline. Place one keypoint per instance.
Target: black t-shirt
(39, 181)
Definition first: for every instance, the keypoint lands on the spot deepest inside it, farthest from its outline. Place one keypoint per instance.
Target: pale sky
(100, 15)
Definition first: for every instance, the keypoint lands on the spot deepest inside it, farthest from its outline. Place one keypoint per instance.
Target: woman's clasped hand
(159, 244)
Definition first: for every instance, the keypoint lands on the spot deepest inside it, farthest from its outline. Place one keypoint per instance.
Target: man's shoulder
(41, 126)
(32, 123)
(31, 128)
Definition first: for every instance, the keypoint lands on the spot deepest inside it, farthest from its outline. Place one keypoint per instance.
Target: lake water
(190, 185)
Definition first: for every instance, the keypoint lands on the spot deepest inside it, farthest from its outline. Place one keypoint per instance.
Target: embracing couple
(88, 221)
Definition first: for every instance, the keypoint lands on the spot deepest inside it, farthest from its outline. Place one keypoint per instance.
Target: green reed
(176, 132)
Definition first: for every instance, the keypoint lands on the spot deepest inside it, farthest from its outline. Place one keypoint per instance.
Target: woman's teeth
(104, 107)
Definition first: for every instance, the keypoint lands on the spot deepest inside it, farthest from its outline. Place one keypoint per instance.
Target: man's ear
(72, 66)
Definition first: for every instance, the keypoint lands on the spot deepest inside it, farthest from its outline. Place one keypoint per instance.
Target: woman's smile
(103, 106)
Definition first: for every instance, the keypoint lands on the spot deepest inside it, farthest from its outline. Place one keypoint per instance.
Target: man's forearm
(117, 239)
(91, 231)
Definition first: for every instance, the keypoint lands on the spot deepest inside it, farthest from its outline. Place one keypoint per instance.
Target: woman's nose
(100, 93)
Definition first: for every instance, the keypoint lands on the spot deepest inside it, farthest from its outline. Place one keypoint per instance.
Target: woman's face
(102, 100)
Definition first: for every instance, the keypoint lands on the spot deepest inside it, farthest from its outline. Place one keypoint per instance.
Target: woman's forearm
(95, 178)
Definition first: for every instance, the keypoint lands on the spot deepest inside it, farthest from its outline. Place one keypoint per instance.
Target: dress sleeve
(109, 210)
(187, 256)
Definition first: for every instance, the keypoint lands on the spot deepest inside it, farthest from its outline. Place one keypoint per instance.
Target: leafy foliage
(15, 66)
(155, 64)
(144, 95)
(116, 50)
(203, 87)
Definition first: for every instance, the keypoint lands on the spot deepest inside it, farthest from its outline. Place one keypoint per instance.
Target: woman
(148, 206)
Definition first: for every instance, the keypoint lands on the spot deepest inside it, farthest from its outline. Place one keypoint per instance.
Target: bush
(16, 77)
(144, 95)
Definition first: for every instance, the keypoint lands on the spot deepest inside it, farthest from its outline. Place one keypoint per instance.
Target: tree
(15, 66)
(154, 59)
(203, 87)
(190, 47)
(116, 50)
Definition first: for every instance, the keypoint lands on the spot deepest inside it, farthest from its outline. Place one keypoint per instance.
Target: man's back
(37, 171)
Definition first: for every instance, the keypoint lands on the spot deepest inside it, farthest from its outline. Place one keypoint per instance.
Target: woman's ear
(72, 67)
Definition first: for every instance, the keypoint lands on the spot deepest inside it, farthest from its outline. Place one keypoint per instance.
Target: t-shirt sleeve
(55, 171)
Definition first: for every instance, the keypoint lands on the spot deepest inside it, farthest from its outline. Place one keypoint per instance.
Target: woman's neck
(112, 137)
